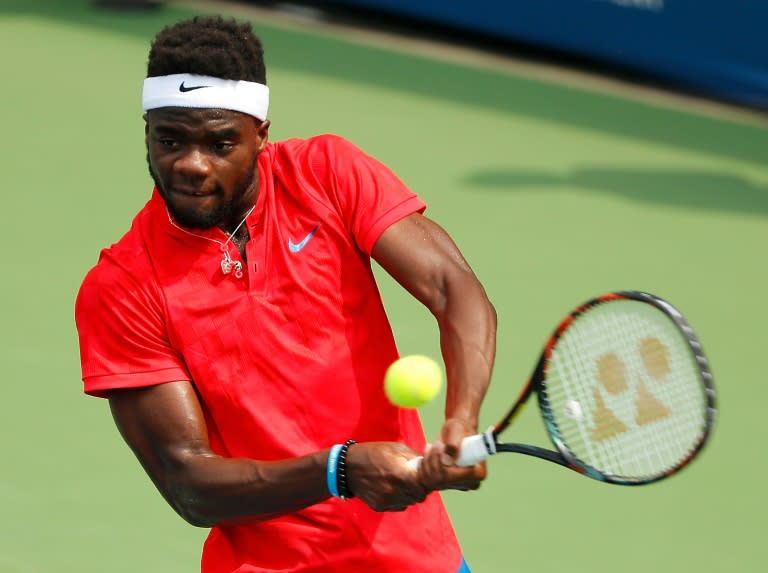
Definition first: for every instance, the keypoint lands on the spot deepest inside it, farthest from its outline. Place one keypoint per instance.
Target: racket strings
(623, 390)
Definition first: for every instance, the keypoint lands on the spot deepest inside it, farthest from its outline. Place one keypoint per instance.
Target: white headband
(188, 90)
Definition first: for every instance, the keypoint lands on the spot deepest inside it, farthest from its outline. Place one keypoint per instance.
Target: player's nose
(193, 163)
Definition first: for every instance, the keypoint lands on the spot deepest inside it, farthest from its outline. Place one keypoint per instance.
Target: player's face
(203, 162)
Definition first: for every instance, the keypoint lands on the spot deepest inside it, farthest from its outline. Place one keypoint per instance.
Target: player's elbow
(194, 518)
(186, 492)
(190, 506)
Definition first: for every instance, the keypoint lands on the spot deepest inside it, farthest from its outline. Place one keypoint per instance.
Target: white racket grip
(474, 449)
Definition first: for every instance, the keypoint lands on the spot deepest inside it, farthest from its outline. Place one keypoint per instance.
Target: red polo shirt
(287, 359)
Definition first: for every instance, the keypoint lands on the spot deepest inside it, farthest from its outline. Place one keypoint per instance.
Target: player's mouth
(191, 191)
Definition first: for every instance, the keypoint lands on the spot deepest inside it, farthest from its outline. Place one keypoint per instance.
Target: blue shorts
(463, 568)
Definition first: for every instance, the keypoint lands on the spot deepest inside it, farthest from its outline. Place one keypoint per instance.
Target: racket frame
(536, 384)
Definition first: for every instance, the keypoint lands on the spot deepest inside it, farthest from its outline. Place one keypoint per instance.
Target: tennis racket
(624, 389)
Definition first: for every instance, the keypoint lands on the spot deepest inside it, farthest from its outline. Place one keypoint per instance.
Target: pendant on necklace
(228, 265)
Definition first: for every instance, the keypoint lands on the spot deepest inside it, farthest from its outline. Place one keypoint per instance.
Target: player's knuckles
(480, 472)
(417, 493)
(431, 480)
(392, 504)
(453, 442)
(381, 502)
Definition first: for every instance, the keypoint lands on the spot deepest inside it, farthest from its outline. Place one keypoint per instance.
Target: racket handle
(474, 449)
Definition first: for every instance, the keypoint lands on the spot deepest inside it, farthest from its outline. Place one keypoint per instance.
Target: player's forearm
(207, 490)
(164, 425)
(468, 342)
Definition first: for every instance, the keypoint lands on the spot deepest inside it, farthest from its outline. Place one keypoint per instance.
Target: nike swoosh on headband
(183, 88)
(296, 247)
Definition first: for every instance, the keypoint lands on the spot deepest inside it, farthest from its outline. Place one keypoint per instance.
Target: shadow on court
(333, 57)
(668, 187)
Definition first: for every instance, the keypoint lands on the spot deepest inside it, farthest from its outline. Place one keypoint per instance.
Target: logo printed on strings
(613, 380)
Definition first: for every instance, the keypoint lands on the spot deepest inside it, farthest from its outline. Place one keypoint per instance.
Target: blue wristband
(331, 470)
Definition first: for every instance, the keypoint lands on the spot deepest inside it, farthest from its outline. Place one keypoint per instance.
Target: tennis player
(240, 338)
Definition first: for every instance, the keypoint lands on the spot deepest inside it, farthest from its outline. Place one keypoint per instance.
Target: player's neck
(239, 239)
(238, 233)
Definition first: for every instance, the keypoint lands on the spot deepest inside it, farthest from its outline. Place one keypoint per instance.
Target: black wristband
(341, 472)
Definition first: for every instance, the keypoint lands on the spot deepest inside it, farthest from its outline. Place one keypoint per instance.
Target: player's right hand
(438, 470)
(378, 475)
(435, 473)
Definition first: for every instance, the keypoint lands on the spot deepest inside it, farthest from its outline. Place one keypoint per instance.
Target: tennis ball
(412, 381)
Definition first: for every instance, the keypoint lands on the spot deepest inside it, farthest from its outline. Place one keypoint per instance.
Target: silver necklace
(228, 264)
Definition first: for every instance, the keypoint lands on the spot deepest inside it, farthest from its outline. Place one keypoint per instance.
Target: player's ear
(262, 134)
(146, 129)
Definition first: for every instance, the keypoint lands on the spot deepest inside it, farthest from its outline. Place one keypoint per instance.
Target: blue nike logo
(296, 247)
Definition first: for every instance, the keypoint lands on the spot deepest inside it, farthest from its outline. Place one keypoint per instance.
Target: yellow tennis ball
(412, 381)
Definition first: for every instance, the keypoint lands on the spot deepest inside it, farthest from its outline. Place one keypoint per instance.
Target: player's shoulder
(125, 261)
(326, 144)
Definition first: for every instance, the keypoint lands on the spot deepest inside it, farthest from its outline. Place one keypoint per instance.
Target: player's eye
(223, 145)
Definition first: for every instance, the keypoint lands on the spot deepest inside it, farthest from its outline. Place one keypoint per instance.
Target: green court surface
(555, 193)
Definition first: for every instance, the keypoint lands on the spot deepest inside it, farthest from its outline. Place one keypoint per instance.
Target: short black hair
(208, 46)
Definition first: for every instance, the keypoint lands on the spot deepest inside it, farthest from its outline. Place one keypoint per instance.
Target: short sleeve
(368, 194)
(122, 334)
